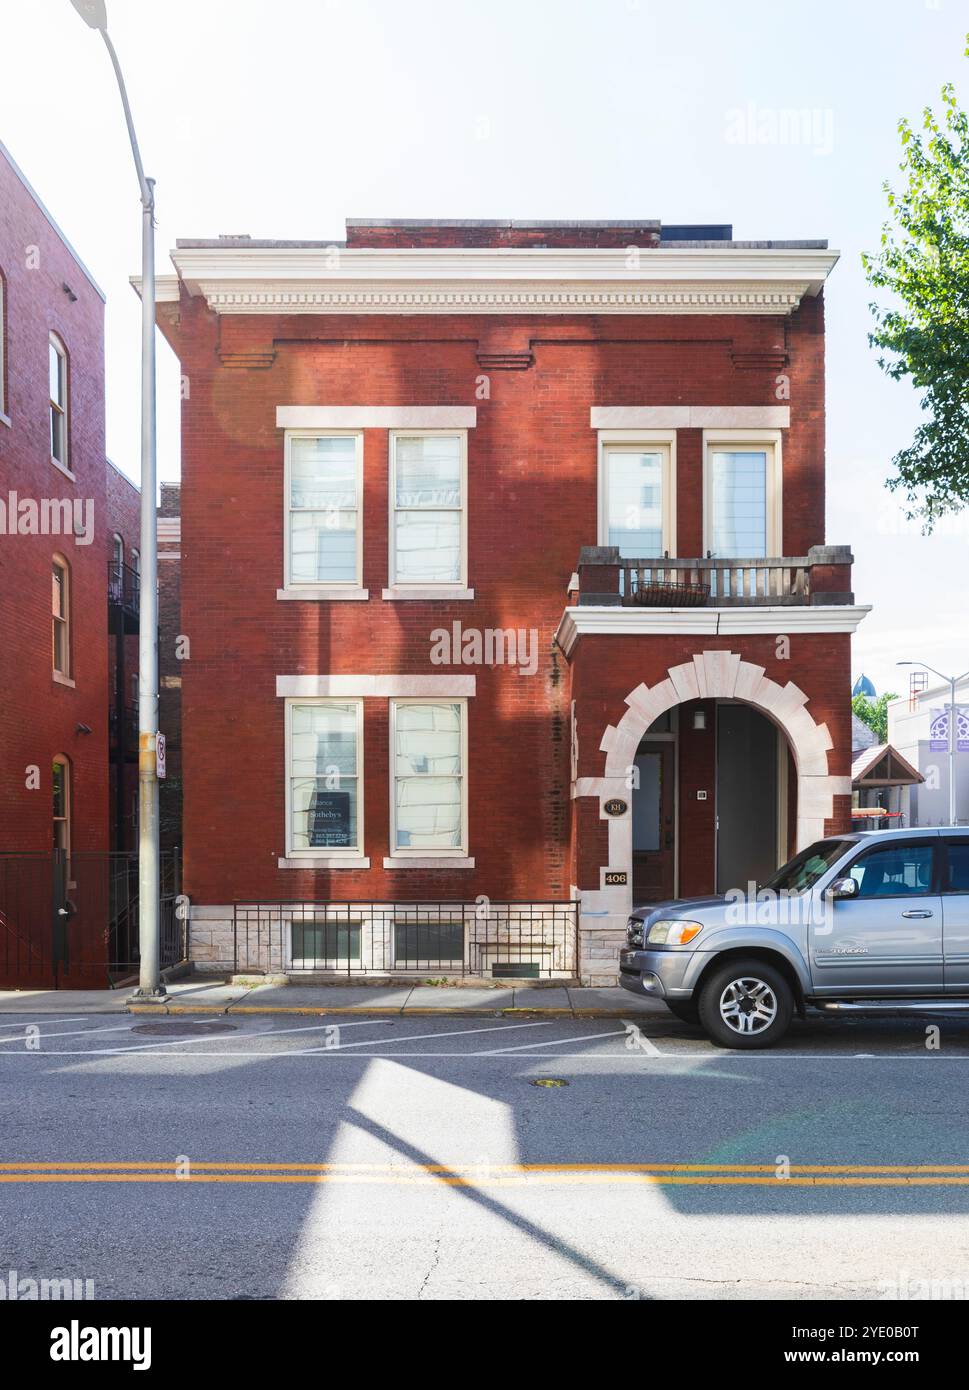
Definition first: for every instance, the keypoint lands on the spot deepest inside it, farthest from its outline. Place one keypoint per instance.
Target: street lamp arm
(146, 185)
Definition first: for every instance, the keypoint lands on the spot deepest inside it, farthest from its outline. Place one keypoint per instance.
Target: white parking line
(75, 1033)
(39, 1022)
(272, 1033)
(552, 1042)
(420, 1037)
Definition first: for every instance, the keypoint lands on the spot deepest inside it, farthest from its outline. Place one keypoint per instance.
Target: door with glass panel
(427, 521)
(324, 502)
(636, 500)
(740, 499)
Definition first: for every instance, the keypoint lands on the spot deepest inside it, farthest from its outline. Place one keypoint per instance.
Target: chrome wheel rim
(748, 1006)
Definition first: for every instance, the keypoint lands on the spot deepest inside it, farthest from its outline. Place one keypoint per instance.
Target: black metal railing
(129, 727)
(124, 586)
(518, 940)
(71, 919)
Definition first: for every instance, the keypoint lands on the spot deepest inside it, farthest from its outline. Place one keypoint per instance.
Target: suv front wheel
(746, 1004)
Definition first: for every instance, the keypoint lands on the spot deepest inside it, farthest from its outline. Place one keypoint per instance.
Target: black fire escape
(123, 596)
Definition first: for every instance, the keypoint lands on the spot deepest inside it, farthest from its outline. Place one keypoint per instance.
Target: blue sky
(283, 119)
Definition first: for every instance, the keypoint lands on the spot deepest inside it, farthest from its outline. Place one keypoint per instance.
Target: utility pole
(94, 14)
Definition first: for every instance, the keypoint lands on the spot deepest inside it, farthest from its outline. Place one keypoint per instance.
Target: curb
(268, 1010)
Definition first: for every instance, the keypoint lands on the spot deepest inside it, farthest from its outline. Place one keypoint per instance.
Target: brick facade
(531, 503)
(46, 289)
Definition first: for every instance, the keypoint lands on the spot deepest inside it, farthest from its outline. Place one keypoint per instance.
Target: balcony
(605, 580)
(127, 748)
(124, 592)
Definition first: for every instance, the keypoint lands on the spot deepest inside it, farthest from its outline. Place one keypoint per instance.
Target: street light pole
(94, 14)
(952, 682)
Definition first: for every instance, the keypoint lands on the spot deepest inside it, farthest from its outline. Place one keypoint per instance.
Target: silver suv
(871, 922)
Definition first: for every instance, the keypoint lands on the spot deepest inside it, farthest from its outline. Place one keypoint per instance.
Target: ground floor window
(322, 945)
(429, 788)
(325, 739)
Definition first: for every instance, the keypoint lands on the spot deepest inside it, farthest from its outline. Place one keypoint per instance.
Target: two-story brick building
(505, 579)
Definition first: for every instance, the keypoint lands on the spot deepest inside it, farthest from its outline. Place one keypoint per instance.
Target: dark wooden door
(654, 831)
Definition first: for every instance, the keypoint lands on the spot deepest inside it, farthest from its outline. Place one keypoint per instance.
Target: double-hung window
(324, 474)
(428, 522)
(325, 810)
(429, 780)
(636, 498)
(57, 371)
(61, 617)
(742, 504)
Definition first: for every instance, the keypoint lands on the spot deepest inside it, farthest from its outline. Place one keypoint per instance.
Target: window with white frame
(61, 779)
(57, 371)
(429, 791)
(61, 616)
(742, 503)
(323, 487)
(325, 743)
(428, 525)
(636, 498)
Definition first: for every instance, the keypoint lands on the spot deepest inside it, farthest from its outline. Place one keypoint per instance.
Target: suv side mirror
(842, 888)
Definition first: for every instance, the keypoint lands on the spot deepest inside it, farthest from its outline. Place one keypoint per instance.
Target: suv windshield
(803, 871)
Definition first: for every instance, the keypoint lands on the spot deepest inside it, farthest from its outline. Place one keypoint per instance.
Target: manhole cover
(549, 1081)
(183, 1030)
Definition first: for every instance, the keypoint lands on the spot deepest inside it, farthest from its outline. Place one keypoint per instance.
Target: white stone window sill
(327, 861)
(429, 861)
(322, 595)
(430, 592)
(60, 679)
(63, 468)
(6, 420)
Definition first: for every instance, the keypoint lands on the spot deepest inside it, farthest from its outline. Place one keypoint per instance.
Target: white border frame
(770, 441)
(458, 852)
(423, 587)
(651, 441)
(325, 856)
(344, 588)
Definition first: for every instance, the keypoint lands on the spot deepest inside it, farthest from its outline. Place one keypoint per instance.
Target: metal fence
(519, 940)
(71, 920)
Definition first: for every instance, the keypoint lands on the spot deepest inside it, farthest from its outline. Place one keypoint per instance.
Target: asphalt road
(415, 1158)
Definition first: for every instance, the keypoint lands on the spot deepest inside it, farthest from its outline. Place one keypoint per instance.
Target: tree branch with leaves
(923, 264)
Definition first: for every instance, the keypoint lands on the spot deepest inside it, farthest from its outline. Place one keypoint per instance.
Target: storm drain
(548, 1081)
(183, 1030)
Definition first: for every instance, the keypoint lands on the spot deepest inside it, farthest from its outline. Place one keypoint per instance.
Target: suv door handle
(919, 913)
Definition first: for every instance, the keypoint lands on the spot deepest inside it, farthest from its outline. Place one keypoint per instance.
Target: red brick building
(53, 504)
(505, 582)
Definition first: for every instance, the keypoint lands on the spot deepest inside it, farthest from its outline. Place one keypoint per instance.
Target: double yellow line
(494, 1175)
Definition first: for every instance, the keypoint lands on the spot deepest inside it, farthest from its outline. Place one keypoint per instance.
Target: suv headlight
(634, 932)
(673, 932)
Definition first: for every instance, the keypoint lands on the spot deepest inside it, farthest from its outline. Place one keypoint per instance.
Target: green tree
(923, 264)
(874, 713)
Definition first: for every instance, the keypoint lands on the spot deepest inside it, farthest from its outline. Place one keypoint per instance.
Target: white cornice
(337, 280)
(721, 622)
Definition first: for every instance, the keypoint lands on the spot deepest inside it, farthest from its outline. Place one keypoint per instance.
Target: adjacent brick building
(505, 580)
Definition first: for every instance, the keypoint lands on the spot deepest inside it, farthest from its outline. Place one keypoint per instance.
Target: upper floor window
(324, 476)
(325, 741)
(61, 616)
(429, 798)
(636, 503)
(135, 561)
(57, 364)
(742, 505)
(428, 523)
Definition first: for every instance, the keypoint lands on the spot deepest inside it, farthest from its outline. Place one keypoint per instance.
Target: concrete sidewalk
(196, 996)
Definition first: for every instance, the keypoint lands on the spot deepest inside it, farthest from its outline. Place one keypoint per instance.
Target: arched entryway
(718, 679)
